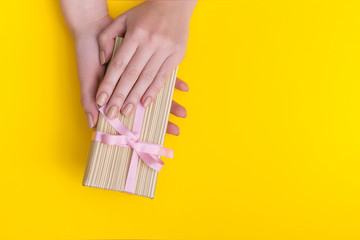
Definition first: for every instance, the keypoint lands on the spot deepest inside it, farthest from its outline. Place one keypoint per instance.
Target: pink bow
(148, 152)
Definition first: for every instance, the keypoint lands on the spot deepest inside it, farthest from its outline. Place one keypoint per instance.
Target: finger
(173, 129)
(161, 77)
(115, 69)
(178, 110)
(106, 38)
(145, 79)
(89, 72)
(88, 85)
(91, 111)
(181, 85)
(126, 83)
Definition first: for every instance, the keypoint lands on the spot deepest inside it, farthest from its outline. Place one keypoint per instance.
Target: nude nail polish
(186, 87)
(90, 121)
(101, 99)
(102, 57)
(127, 109)
(147, 101)
(111, 113)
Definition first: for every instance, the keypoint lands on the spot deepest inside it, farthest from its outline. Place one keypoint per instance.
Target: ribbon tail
(152, 161)
(131, 177)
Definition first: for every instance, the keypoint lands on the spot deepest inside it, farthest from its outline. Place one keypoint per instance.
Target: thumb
(91, 110)
(106, 38)
(89, 73)
(88, 102)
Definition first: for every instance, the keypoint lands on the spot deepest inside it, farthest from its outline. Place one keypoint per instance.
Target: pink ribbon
(150, 153)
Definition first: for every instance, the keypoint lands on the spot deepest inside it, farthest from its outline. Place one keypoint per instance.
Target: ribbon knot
(133, 143)
(150, 153)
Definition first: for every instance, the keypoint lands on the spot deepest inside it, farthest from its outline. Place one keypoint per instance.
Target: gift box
(125, 152)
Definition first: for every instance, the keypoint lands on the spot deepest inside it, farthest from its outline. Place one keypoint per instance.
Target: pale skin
(155, 39)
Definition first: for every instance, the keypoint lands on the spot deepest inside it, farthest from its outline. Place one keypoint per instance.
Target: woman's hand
(155, 39)
(86, 21)
(177, 109)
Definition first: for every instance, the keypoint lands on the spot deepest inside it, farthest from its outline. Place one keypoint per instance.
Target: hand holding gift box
(155, 39)
(118, 143)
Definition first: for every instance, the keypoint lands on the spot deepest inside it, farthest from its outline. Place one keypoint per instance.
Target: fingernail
(111, 113)
(89, 120)
(102, 57)
(186, 87)
(147, 101)
(127, 109)
(101, 99)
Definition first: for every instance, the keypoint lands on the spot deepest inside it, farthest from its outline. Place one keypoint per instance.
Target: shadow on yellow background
(269, 150)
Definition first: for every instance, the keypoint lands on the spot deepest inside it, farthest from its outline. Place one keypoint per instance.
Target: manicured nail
(90, 121)
(102, 57)
(127, 109)
(101, 99)
(186, 87)
(111, 113)
(147, 101)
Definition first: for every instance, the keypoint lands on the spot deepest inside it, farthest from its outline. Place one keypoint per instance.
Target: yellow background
(269, 150)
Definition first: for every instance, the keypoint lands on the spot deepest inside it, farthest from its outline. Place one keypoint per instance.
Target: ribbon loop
(149, 152)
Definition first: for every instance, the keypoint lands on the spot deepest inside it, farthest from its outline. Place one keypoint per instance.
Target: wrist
(91, 28)
(82, 16)
(183, 9)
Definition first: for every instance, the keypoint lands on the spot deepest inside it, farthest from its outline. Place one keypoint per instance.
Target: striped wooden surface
(107, 166)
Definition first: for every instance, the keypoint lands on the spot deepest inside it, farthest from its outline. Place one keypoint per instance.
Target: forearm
(82, 16)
